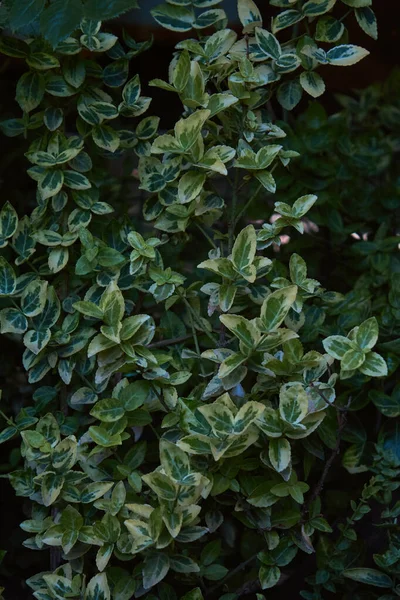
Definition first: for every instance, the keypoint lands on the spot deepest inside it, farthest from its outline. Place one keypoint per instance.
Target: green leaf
(219, 417)
(214, 572)
(162, 485)
(276, 306)
(35, 341)
(367, 334)
(105, 137)
(76, 181)
(279, 453)
(267, 180)
(187, 130)
(337, 346)
(51, 183)
(211, 552)
(33, 298)
(329, 30)
(103, 10)
(115, 74)
(53, 117)
(303, 205)
(7, 434)
(94, 491)
(230, 364)
(52, 484)
(74, 72)
(173, 326)
(312, 83)
(249, 15)
(23, 14)
(369, 577)
(30, 90)
(374, 365)
(181, 71)
(13, 47)
(208, 18)
(268, 576)
(8, 279)
(388, 405)
(108, 410)
(313, 8)
(97, 588)
(155, 568)
(8, 223)
(60, 587)
(268, 43)
(285, 19)
(352, 359)
(12, 321)
(174, 461)
(175, 18)
(60, 19)
(357, 3)
(131, 91)
(103, 438)
(88, 309)
(243, 329)
(247, 415)
(244, 248)
(194, 594)
(367, 21)
(190, 185)
(289, 94)
(293, 403)
(183, 564)
(124, 588)
(346, 55)
(42, 61)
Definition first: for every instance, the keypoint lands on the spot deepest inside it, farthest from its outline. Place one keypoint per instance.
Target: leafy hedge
(191, 384)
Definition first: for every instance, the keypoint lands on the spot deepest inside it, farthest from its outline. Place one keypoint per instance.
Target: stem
(246, 206)
(170, 342)
(154, 430)
(345, 15)
(196, 318)
(196, 343)
(319, 487)
(232, 222)
(325, 399)
(208, 238)
(7, 420)
(231, 574)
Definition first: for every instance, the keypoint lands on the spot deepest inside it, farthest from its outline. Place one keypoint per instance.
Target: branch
(170, 342)
(342, 420)
(231, 574)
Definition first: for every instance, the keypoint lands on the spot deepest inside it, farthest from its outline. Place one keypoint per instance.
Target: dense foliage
(189, 384)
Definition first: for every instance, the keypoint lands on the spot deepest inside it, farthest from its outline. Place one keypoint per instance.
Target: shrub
(191, 385)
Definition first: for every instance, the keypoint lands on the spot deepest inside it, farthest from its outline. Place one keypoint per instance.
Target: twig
(246, 206)
(232, 221)
(325, 399)
(170, 342)
(197, 319)
(250, 587)
(342, 420)
(231, 574)
(204, 232)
